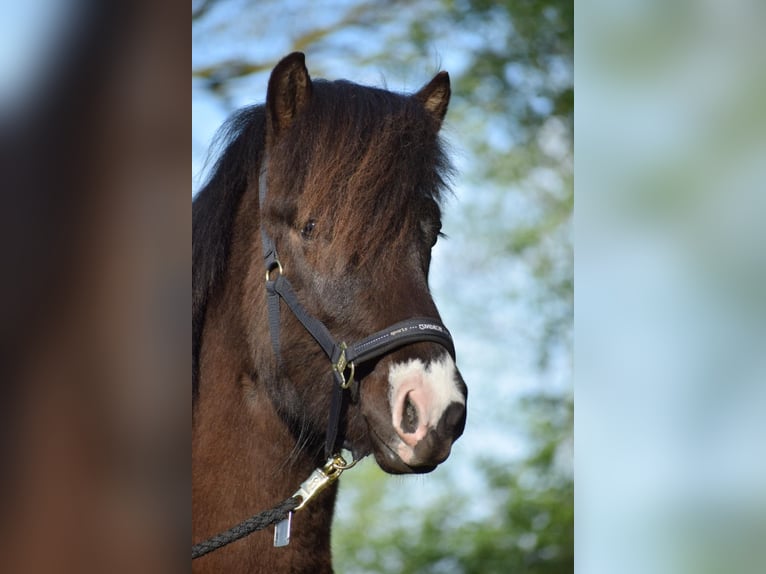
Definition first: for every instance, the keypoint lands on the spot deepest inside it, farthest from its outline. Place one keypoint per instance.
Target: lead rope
(258, 522)
(281, 514)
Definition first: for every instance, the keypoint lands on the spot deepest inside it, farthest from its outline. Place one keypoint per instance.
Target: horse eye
(308, 229)
(434, 234)
(431, 232)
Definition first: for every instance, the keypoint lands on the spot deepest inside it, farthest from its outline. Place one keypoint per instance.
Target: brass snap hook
(339, 463)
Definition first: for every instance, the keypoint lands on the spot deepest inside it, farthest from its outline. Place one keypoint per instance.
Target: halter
(343, 357)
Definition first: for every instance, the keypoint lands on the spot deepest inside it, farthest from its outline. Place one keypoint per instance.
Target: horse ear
(435, 96)
(289, 91)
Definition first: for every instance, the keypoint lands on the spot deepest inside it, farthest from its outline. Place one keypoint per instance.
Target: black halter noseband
(342, 356)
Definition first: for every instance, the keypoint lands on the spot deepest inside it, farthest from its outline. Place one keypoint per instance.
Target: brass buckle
(340, 368)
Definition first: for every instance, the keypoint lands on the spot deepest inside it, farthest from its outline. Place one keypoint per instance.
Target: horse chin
(389, 461)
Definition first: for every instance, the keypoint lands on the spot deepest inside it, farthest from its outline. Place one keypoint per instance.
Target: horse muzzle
(428, 412)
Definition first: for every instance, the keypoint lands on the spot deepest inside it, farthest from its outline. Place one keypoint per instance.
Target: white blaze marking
(433, 387)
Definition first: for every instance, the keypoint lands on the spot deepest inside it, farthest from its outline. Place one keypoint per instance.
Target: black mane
(214, 209)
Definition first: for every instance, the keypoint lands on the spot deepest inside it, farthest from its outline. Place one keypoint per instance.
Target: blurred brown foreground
(94, 238)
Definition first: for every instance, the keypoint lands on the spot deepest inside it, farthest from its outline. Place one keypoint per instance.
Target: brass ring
(276, 265)
(339, 463)
(348, 381)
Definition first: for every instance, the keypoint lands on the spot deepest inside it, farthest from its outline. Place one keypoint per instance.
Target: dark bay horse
(345, 182)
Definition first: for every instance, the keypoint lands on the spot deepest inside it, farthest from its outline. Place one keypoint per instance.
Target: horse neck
(244, 457)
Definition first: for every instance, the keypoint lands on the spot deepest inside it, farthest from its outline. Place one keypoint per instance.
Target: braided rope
(257, 522)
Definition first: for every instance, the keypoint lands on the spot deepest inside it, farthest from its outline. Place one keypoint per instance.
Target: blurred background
(671, 313)
(502, 280)
(96, 262)
(671, 287)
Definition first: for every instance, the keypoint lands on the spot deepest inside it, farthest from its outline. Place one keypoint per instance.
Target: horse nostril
(410, 416)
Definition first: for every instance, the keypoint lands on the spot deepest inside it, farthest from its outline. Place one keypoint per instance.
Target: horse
(344, 184)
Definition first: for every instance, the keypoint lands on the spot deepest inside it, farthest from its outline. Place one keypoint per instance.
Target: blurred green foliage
(517, 96)
(522, 522)
(512, 111)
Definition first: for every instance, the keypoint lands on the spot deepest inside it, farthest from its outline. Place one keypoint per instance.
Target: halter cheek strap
(343, 357)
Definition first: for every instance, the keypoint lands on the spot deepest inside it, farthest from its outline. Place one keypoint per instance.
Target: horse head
(351, 183)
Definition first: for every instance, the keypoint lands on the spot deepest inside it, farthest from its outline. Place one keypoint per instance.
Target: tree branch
(202, 8)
